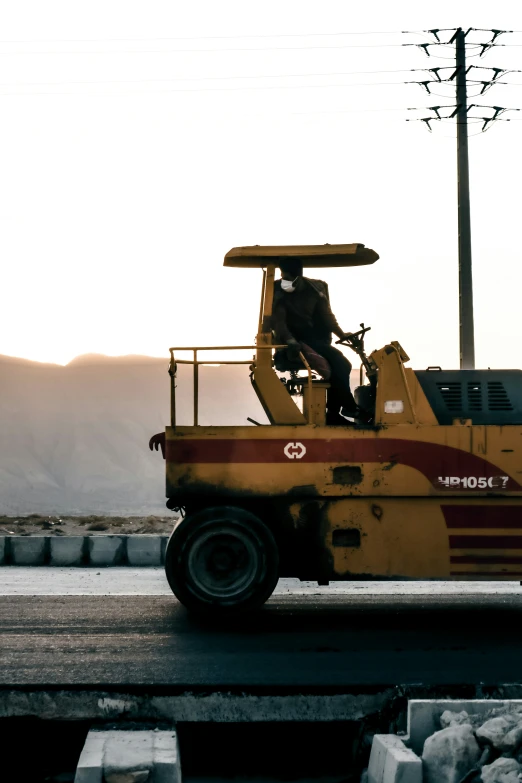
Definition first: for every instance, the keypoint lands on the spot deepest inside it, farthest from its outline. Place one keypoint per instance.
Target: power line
(425, 46)
(219, 78)
(499, 72)
(247, 87)
(224, 49)
(425, 83)
(152, 93)
(349, 111)
(213, 37)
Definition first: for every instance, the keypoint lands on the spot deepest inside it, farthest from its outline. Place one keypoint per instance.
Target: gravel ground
(36, 525)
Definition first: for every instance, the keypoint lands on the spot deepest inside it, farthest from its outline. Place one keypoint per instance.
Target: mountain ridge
(74, 438)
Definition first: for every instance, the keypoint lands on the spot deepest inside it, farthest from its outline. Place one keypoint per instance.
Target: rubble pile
(483, 748)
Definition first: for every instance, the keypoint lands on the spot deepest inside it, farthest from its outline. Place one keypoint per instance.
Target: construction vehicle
(429, 489)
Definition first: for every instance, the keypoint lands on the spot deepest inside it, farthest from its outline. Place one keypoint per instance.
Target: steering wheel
(355, 340)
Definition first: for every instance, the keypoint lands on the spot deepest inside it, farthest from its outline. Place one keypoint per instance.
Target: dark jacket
(304, 314)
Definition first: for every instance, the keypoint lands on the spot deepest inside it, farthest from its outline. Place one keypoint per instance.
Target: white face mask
(288, 285)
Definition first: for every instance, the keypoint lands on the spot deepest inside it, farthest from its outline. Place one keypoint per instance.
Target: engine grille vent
(498, 399)
(452, 395)
(484, 396)
(474, 396)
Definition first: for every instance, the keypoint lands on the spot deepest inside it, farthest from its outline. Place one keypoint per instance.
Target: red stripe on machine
(482, 517)
(485, 542)
(431, 459)
(486, 559)
(514, 574)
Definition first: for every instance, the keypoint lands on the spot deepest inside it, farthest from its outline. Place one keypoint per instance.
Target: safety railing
(196, 363)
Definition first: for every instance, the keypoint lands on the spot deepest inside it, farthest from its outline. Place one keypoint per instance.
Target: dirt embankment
(38, 525)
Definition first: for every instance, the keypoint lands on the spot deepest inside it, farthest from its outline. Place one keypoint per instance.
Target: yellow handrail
(225, 348)
(197, 362)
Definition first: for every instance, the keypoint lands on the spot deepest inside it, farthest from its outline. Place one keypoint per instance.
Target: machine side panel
(411, 461)
(397, 537)
(424, 538)
(417, 502)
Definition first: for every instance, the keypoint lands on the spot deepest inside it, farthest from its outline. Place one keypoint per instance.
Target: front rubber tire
(222, 561)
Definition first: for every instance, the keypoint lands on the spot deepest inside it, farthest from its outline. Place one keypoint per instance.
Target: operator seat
(283, 364)
(313, 393)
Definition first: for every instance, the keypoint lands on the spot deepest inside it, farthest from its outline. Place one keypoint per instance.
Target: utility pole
(467, 329)
(460, 111)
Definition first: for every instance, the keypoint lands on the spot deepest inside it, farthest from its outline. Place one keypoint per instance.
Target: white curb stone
(392, 762)
(116, 756)
(380, 746)
(90, 765)
(128, 751)
(28, 550)
(167, 764)
(144, 550)
(105, 550)
(138, 550)
(66, 550)
(402, 765)
(164, 544)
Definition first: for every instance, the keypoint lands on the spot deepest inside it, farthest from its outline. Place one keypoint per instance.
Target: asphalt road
(354, 635)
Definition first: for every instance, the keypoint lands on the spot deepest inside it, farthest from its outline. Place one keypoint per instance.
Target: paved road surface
(123, 627)
(152, 581)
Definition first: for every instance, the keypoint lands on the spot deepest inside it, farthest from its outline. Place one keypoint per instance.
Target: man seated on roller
(302, 314)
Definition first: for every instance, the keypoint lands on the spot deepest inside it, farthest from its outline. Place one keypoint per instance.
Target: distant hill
(75, 439)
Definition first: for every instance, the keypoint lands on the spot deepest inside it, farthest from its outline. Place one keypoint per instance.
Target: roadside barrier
(101, 550)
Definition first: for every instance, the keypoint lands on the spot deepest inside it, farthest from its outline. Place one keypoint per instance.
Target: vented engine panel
(484, 396)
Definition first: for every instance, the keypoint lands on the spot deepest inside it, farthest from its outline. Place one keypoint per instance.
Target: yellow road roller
(425, 487)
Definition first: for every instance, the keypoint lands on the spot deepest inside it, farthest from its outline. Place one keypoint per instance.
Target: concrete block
(66, 550)
(380, 748)
(28, 550)
(402, 765)
(116, 755)
(167, 765)
(90, 765)
(2, 550)
(144, 550)
(127, 751)
(105, 550)
(164, 542)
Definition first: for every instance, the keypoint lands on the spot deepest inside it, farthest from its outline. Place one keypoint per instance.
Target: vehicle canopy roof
(315, 256)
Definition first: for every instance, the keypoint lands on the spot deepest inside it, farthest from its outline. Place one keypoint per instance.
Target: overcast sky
(142, 140)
